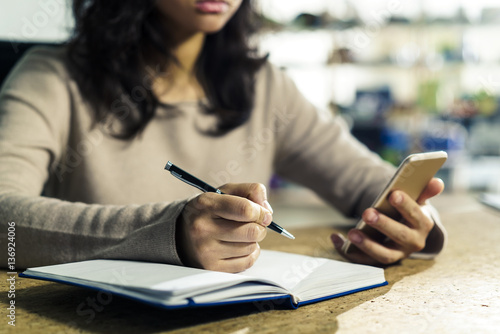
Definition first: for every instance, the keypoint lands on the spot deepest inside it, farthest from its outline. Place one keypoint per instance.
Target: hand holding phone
(411, 177)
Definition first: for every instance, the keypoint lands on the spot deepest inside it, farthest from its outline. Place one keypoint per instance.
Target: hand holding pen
(221, 231)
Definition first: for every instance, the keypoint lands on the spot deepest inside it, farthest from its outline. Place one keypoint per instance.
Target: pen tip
(287, 234)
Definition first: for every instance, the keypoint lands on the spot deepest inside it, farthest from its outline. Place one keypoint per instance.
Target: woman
(87, 128)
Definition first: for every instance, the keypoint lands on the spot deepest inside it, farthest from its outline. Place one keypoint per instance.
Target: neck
(180, 83)
(187, 52)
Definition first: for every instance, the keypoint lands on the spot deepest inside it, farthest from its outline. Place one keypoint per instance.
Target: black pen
(197, 183)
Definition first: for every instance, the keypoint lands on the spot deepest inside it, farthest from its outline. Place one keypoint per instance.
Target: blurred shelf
(435, 27)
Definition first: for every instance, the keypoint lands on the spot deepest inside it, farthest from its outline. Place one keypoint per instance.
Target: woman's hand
(405, 237)
(222, 232)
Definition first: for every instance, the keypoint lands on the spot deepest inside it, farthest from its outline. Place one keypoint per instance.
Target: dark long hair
(108, 51)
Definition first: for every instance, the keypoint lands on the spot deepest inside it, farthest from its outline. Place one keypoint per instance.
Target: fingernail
(397, 198)
(337, 241)
(267, 219)
(355, 237)
(268, 206)
(371, 217)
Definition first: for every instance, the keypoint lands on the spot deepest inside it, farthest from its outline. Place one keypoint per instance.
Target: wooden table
(459, 292)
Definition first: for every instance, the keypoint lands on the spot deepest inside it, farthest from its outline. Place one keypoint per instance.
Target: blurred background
(408, 76)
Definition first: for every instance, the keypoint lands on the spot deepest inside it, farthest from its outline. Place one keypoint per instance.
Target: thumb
(338, 241)
(433, 188)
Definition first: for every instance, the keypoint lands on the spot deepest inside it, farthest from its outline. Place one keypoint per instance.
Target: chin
(210, 27)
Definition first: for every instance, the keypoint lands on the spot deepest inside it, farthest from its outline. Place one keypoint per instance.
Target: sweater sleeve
(35, 115)
(319, 152)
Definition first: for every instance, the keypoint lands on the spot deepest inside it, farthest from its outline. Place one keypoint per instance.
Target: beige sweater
(76, 193)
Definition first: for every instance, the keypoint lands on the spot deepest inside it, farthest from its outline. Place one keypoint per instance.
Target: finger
(373, 249)
(229, 231)
(410, 210)
(226, 230)
(338, 242)
(233, 208)
(235, 264)
(354, 255)
(404, 237)
(433, 188)
(228, 250)
(255, 192)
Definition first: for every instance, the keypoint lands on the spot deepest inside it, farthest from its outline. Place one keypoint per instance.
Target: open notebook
(276, 275)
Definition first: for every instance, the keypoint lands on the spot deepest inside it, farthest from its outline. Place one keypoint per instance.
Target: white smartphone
(412, 176)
